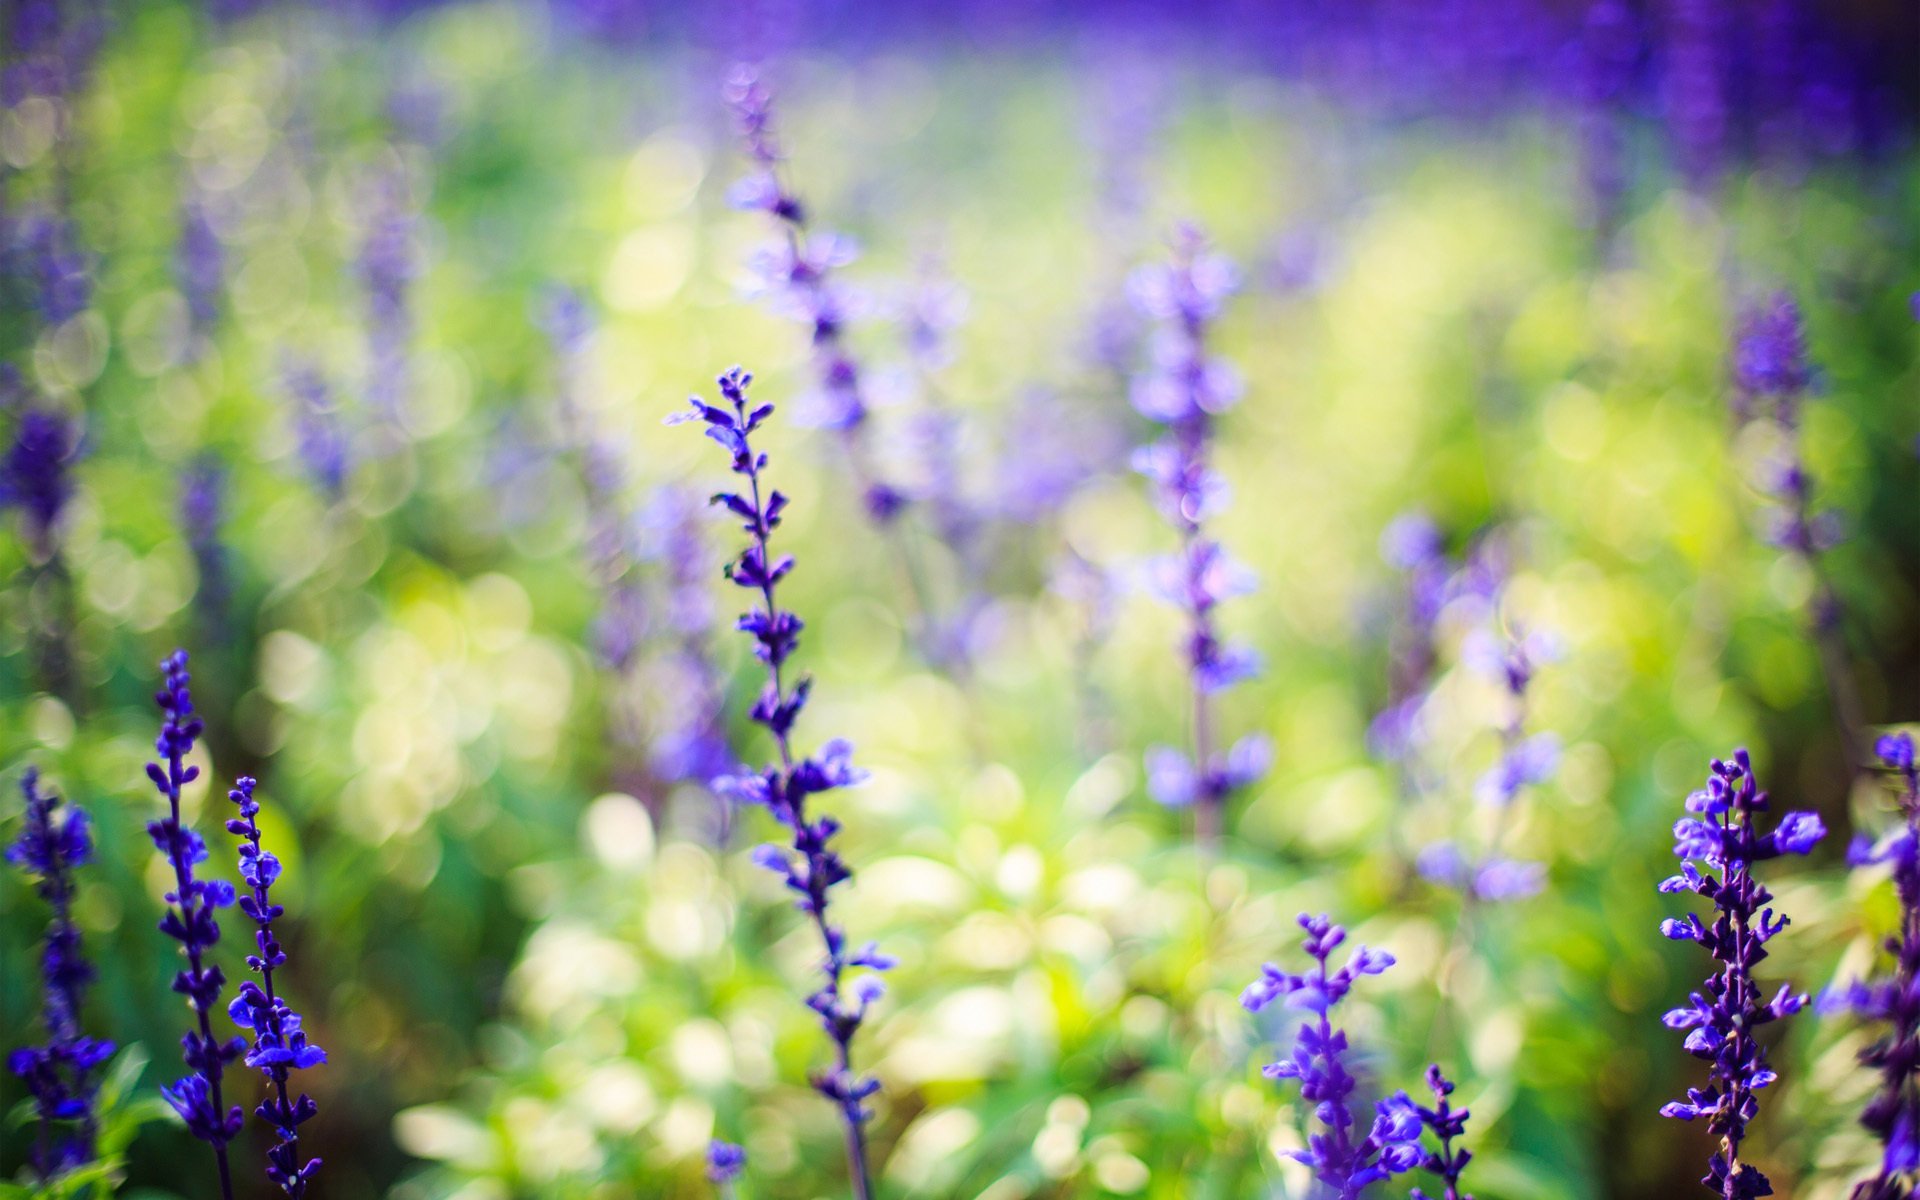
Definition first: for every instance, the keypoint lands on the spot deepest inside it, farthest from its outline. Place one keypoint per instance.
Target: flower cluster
(35, 474)
(1722, 1020)
(1183, 389)
(1345, 1163)
(725, 1162)
(809, 866)
(388, 265)
(798, 271)
(280, 1046)
(1446, 1123)
(199, 263)
(191, 921)
(318, 433)
(1894, 1113)
(1772, 375)
(59, 1076)
(203, 488)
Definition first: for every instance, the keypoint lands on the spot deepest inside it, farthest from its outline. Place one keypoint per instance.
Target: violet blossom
(1183, 390)
(193, 905)
(280, 1045)
(1722, 1018)
(1447, 1124)
(59, 1075)
(809, 866)
(1893, 1115)
(1343, 1161)
(798, 271)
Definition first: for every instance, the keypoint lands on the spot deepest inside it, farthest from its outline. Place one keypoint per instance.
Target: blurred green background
(535, 970)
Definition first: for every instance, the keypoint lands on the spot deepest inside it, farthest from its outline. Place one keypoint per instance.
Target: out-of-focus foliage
(538, 967)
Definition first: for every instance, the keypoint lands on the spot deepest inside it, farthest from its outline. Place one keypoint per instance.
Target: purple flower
(388, 265)
(199, 263)
(322, 443)
(1771, 377)
(1446, 1123)
(59, 1075)
(1183, 389)
(35, 475)
(202, 505)
(280, 1046)
(45, 252)
(808, 865)
(1894, 999)
(1722, 1018)
(191, 920)
(725, 1162)
(1347, 1164)
(797, 271)
(1769, 360)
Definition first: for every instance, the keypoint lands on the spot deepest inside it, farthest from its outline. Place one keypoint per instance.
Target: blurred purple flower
(797, 270)
(203, 488)
(1893, 1115)
(1183, 389)
(59, 1076)
(1343, 1163)
(318, 435)
(35, 474)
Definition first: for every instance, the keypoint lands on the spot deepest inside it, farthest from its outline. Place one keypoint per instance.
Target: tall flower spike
(808, 866)
(322, 442)
(797, 271)
(35, 475)
(1345, 1163)
(1511, 658)
(1721, 833)
(1183, 389)
(1447, 1124)
(388, 264)
(202, 503)
(1894, 1112)
(280, 1046)
(191, 921)
(59, 1076)
(1771, 377)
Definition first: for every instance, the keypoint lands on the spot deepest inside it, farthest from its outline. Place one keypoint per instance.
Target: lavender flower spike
(809, 867)
(1721, 834)
(1344, 1164)
(797, 271)
(190, 920)
(1894, 1112)
(59, 1075)
(280, 1047)
(1183, 390)
(1771, 377)
(1446, 1123)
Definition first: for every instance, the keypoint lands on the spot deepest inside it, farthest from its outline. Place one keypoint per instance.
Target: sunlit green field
(538, 969)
